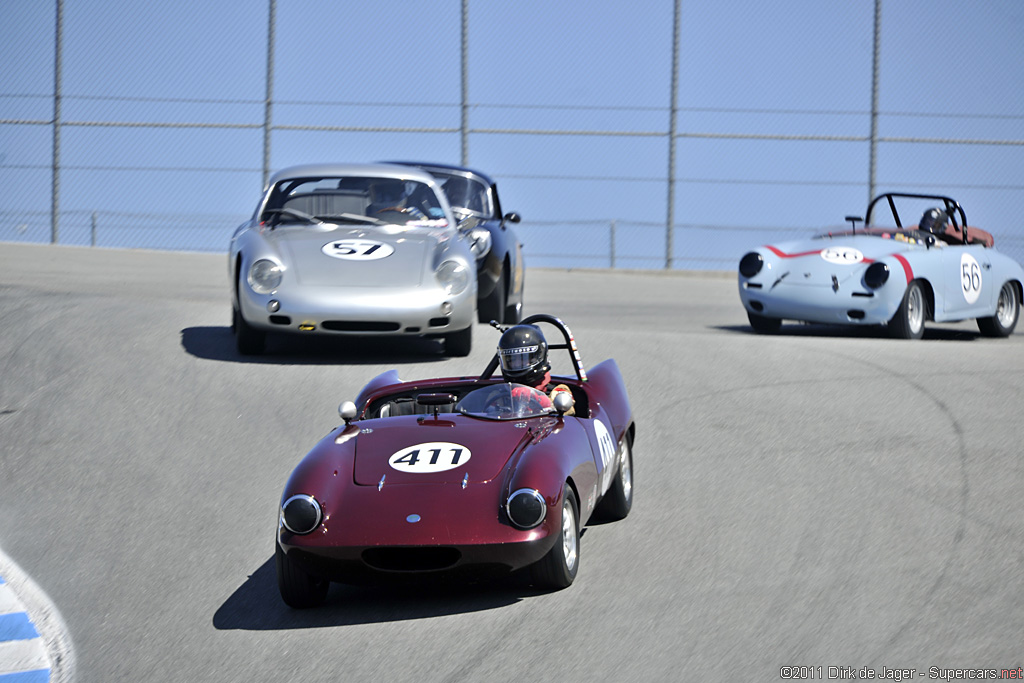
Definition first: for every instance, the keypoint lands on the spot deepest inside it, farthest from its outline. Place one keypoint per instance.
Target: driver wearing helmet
(934, 221)
(523, 354)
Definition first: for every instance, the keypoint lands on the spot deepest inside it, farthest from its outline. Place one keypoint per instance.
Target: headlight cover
(479, 241)
(453, 277)
(265, 276)
(301, 514)
(751, 264)
(876, 275)
(526, 508)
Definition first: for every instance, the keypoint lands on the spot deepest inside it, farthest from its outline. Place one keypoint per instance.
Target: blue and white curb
(23, 657)
(34, 643)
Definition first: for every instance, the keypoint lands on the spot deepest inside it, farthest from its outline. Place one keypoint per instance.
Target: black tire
(493, 306)
(618, 501)
(298, 589)
(908, 322)
(764, 325)
(248, 340)
(460, 343)
(1007, 313)
(558, 568)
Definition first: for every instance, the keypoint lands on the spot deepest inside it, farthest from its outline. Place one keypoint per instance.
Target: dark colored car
(456, 476)
(473, 197)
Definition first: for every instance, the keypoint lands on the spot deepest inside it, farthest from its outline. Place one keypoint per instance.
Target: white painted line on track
(50, 648)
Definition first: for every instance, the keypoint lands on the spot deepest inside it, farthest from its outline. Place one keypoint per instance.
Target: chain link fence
(678, 137)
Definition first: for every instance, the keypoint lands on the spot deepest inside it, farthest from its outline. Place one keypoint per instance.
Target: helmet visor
(520, 358)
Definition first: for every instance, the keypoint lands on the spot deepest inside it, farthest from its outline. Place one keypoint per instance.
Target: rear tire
(460, 343)
(908, 322)
(298, 589)
(558, 568)
(1007, 313)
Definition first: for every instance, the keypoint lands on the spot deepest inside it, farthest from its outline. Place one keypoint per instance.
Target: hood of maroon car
(422, 450)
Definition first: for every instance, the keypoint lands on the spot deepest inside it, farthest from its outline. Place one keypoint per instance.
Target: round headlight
(453, 277)
(264, 276)
(526, 508)
(876, 275)
(301, 514)
(751, 264)
(480, 241)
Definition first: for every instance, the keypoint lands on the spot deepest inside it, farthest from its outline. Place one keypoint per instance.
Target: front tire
(460, 343)
(558, 568)
(298, 589)
(618, 501)
(1007, 313)
(764, 325)
(908, 322)
(248, 340)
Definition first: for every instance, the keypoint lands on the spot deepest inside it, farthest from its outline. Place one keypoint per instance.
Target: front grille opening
(855, 314)
(359, 326)
(439, 322)
(757, 306)
(280, 320)
(411, 559)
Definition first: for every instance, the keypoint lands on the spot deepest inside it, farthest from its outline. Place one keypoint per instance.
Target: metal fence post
(611, 238)
(92, 230)
(670, 218)
(57, 70)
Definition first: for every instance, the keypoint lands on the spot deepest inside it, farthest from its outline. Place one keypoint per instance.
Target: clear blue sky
(949, 70)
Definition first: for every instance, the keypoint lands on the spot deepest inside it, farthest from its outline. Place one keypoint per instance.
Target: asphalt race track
(820, 498)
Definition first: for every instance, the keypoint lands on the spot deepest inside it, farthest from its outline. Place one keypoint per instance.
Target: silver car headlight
(265, 276)
(479, 241)
(453, 277)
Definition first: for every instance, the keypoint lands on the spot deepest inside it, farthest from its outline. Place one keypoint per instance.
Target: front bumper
(820, 303)
(367, 534)
(360, 310)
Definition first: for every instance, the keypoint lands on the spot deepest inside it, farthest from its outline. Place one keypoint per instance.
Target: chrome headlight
(479, 241)
(526, 508)
(453, 277)
(265, 276)
(301, 514)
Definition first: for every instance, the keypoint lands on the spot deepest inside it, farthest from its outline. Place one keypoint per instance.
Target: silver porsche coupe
(353, 249)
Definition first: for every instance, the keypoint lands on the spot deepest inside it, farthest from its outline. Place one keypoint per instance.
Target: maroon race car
(464, 474)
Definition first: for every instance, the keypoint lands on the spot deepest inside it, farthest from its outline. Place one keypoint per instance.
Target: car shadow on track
(218, 343)
(257, 606)
(842, 331)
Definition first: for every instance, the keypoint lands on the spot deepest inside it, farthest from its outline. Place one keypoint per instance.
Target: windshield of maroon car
(354, 199)
(465, 194)
(505, 402)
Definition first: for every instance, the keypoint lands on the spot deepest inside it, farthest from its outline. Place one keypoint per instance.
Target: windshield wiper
(301, 215)
(354, 218)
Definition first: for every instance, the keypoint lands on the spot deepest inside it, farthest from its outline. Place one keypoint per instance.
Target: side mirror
(347, 411)
(563, 402)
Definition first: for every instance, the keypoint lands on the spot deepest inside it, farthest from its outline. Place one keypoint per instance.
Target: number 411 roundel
(424, 458)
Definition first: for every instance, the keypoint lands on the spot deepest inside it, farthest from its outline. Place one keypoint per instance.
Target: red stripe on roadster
(906, 267)
(782, 254)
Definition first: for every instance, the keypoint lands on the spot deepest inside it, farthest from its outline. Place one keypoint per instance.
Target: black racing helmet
(523, 354)
(933, 221)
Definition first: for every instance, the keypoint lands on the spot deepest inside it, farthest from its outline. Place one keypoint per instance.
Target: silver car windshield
(505, 402)
(466, 195)
(383, 201)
